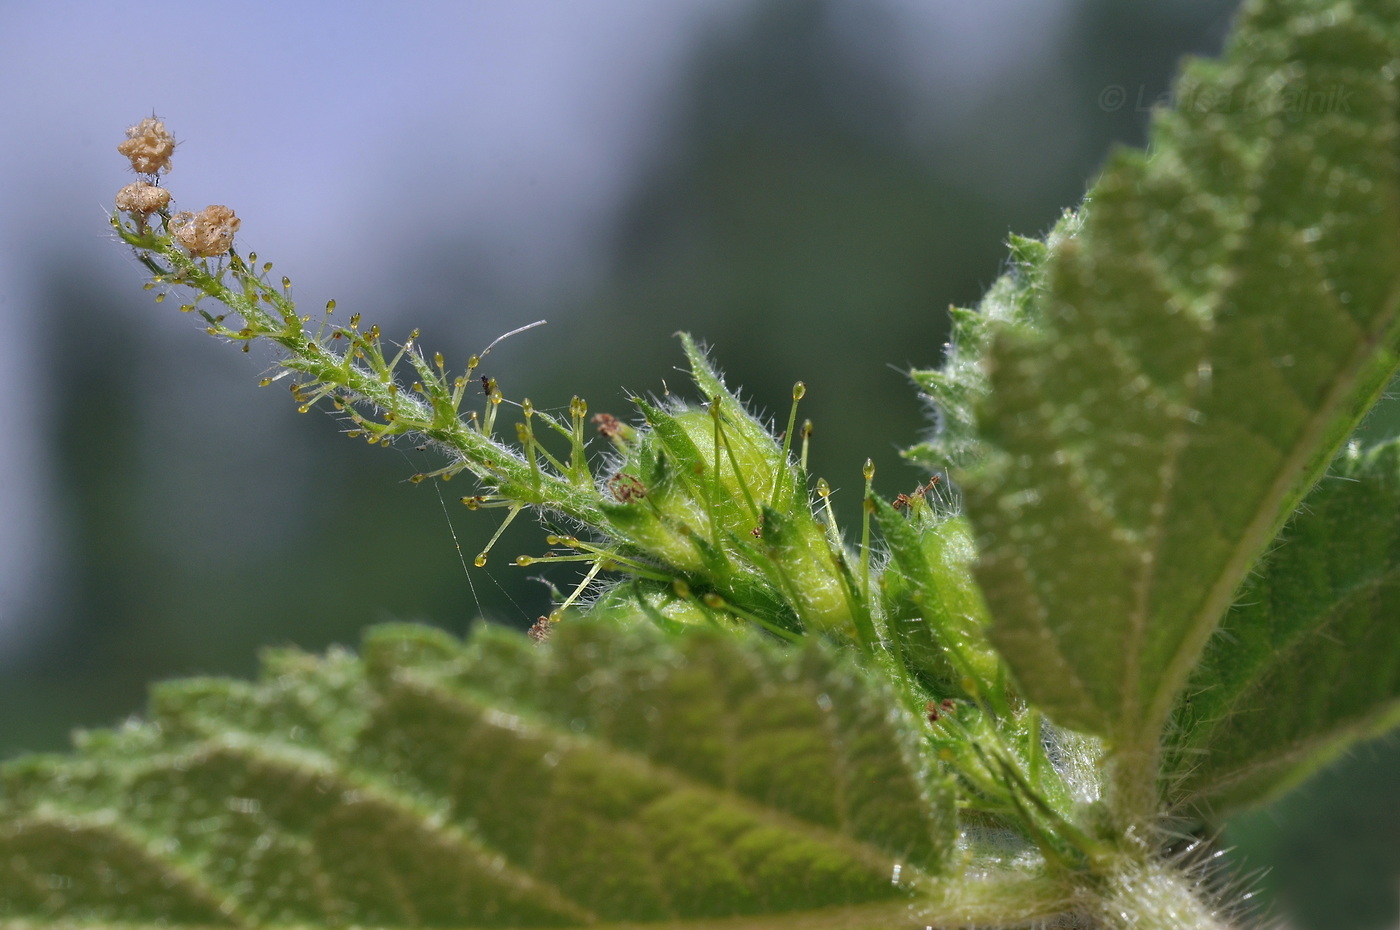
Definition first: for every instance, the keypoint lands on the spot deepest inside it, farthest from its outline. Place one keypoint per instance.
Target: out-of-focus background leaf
(804, 185)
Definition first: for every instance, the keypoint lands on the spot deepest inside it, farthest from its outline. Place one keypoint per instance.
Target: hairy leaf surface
(607, 776)
(1203, 345)
(1308, 659)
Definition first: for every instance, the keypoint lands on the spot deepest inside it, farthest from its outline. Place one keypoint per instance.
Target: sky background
(805, 185)
(351, 138)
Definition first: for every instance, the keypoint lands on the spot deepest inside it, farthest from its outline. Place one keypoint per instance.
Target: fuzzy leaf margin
(956, 388)
(611, 775)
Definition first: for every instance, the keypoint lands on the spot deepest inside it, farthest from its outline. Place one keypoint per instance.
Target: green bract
(1153, 593)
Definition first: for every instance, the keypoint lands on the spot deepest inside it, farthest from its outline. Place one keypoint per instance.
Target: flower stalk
(704, 495)
(701, 516)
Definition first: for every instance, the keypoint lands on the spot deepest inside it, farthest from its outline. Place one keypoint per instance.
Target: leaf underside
(606, 776)
(1308, 659)
(1197, 352)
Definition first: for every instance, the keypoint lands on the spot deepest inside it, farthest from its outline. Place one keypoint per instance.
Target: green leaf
(1305, 662)
(1205, 343)
(610, 775)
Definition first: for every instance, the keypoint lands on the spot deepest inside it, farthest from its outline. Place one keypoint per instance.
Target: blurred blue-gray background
(804, 185)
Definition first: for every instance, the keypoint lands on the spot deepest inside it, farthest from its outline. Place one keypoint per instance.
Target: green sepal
(813, 575)
(933, 605)
(685, 456)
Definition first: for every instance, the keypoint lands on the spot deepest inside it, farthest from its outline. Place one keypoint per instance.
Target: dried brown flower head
(206, 233)
(142, 198)
(540, 631)
(608, 425)
(149, 146)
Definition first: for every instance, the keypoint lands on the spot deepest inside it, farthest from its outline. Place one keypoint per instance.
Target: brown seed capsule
(207, 233)
(149, 145)
(142, 198)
